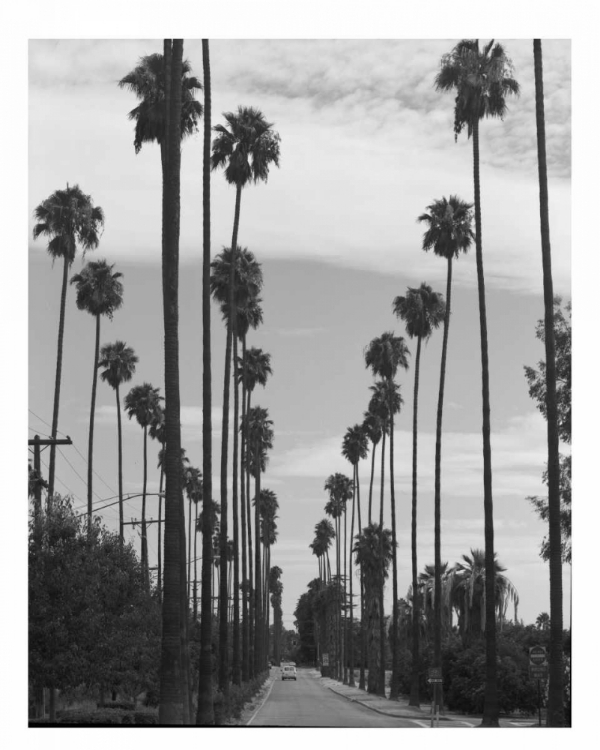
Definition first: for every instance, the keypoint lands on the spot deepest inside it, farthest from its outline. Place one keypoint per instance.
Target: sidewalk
(401, 709)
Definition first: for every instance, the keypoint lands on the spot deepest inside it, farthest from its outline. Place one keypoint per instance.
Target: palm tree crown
(355, 444)
(146, 81)
(142, 402)
(99, 291)
(248, 278)
(482, 79)
(247, 149)
(422, 310)
(119, 361)
(385, 354)
(449, 227)
(257, 365)
(68, 217)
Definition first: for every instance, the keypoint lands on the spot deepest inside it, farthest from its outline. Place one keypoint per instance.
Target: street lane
(306, 703)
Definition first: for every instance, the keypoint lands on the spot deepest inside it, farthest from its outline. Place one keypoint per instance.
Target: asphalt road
(306, 703)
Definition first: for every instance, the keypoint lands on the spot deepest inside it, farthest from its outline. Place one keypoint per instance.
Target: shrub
(145, 716)
(99, 717)
(126, 706)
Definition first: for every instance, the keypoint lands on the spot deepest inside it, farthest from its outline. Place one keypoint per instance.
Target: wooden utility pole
(37, 442)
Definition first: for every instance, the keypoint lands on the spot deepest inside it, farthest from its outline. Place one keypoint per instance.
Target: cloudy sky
(366, 145)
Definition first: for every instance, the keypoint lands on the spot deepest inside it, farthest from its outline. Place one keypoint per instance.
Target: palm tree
(174, 684)
(147, 82)
(542, 621)
(469, 594)
(205, 711)
(268, 536)
(245, 151)
(259, 430)
(276, 588)
(325, 534)
(355, 446)
(373, 549)
(68, 218)
(192, 485)
(236, 274)
(555, 690)
(156, 430)
(373, 426)
(141, 402)
(339, 488)
(422, 310)
(384, 355)
(99, 292)
(482, 80)
(119, 361)
(448, 233)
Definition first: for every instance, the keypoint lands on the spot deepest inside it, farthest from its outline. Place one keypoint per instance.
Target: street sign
(325, 660)
(435, 675)
(538, 656)
(538, 671)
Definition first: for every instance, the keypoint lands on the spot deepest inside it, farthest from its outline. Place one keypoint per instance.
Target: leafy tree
(119, 361)
(422, 310)
(99, 292)
(482, 80)
(68, 218)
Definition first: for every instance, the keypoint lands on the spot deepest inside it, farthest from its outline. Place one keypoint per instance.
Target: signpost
(538, 670)
(325, 660)
(435, 678)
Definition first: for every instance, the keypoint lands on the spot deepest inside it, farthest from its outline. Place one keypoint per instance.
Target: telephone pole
(37, 442)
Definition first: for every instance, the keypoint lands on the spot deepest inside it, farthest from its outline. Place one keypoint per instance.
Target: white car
(288, 672)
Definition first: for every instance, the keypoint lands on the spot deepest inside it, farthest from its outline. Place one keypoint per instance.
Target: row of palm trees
(245, 148)
(482, 79)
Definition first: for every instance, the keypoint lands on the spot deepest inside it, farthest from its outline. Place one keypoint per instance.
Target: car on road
(288, 672)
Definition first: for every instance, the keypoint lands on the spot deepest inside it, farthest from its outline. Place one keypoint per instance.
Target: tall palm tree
(236, 274)
(355, 446)
(482, 80)
(448, 234)
(422, 310)
(205, 712)
(325, 534)
(339, 488)
(141, 402)
(276, 588)
(246, 152)
(174, 684)
(248, 316)
(373, 427)
(192, 485)
(259, 431)
(268, 536)
(373, 549)
(156, 430)
(119, 361)
(555, 689)
(99, 292)
(384, 355)
(68, 218)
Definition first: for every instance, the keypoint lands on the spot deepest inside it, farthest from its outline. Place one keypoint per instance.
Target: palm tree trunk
(252, 593)
(160, 522)
(381, 676)
(395, 666)
(363, 630)
(171, 667)
(245, 582)
(236, 660)
(189, 555)
(257, 568)
(120, 451)
(223, 631)
(555, 689)
(414, 684)
(490, 708)
(437, 585)
(91, 435)
(351, 638)
(345, 600)
(195, 562)
(205, 712)
(145, 572)
(61, 332)
(371, 485)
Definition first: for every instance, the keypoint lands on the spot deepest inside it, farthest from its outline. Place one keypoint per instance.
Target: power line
(69, 490)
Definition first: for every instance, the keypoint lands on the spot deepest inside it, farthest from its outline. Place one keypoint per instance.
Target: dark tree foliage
(89, 621)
